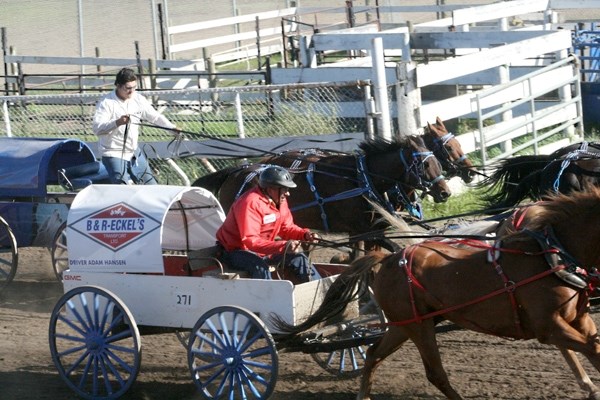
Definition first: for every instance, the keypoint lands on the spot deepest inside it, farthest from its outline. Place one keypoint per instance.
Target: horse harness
(575, 155)
(572, 273)
(440, 147)
(366, 187)
(560, 263)
(319, 200)
(365, 184)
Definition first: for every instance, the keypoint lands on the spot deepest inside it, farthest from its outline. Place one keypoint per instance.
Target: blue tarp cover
(28, 165)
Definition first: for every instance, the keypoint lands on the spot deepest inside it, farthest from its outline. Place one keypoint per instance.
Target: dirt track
(479, 366)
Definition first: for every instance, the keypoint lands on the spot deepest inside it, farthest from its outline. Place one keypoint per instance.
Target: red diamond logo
(116, 226)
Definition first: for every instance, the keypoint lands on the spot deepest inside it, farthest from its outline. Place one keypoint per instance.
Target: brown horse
(448, 151)
(334, 188)
(509, 289)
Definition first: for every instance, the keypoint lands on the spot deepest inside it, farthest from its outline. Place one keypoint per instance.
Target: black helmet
(275, 176)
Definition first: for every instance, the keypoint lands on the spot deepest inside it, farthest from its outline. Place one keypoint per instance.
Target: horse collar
(557, 256)
(364, 187)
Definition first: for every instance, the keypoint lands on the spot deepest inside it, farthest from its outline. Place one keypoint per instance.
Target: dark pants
(258, 267)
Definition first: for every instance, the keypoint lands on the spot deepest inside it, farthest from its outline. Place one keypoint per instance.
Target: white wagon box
(126, 249)
(117, 238)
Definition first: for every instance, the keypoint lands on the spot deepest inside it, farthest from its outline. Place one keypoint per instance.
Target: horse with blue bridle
(334, 188)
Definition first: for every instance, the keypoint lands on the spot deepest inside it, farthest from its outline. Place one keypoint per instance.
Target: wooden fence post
(380, 83)
(258, 57)
(564, 95)
(98, 67)
(408, 99)
(140, 67)
(4, 44)
(21, 80)
(13, 69)
(152, 72)
(213, 81)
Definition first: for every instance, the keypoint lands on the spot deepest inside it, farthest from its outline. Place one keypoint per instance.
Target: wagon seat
(80, 176)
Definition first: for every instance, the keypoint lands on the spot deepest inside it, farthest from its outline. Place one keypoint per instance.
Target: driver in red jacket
(259, 229)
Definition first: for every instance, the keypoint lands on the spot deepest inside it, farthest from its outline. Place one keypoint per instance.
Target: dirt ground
(479, 366)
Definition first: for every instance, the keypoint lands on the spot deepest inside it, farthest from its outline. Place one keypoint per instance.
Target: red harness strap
(509, 286)
(405, 264)
(493, 256)
(519, 215)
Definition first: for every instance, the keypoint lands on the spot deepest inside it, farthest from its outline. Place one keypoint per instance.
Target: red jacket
(253, 223)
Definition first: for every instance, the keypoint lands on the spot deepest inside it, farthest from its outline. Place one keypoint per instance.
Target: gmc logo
(71, 277)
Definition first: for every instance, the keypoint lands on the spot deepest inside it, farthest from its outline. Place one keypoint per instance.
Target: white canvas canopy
(122, 228)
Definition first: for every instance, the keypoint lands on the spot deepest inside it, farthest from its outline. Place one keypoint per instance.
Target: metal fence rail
(539, 101)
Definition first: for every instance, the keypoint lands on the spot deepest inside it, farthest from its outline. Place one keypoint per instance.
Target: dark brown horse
(509, 289)
(571, 168)
(448, 151)
(333, 188)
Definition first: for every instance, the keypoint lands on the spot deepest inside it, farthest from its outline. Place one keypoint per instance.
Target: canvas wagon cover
(125, 228)
(27, 165)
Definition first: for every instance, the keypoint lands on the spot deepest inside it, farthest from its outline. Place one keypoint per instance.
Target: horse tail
(506, 182)
(213, 182)
(393, 221)
(349, 286)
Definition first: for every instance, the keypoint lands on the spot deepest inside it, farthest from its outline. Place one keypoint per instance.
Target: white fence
(504, 62)
(528, 66)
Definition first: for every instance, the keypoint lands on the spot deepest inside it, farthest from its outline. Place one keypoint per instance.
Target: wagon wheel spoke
(9, 256)
(231, 354)
(348, 362)
(59, 252)
(94, 343)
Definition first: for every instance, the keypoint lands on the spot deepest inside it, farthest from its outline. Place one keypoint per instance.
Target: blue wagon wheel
(60, 254)
(348, 362)
(9, 256)
(232, 355)
(94, 343)
(344, 363)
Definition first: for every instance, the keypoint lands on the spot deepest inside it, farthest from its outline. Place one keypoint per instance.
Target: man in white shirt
(116, 124)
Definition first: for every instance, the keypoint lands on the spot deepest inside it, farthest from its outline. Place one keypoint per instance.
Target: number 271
(184, 299)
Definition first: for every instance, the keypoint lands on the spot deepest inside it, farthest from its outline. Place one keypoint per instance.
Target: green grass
(470, 201)
(467, 202)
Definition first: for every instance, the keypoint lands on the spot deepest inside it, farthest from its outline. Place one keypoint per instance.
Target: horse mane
(566, 207)
(379, 145)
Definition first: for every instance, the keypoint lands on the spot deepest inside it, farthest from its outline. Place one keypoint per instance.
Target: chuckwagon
(141, 260)
(38, 181)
